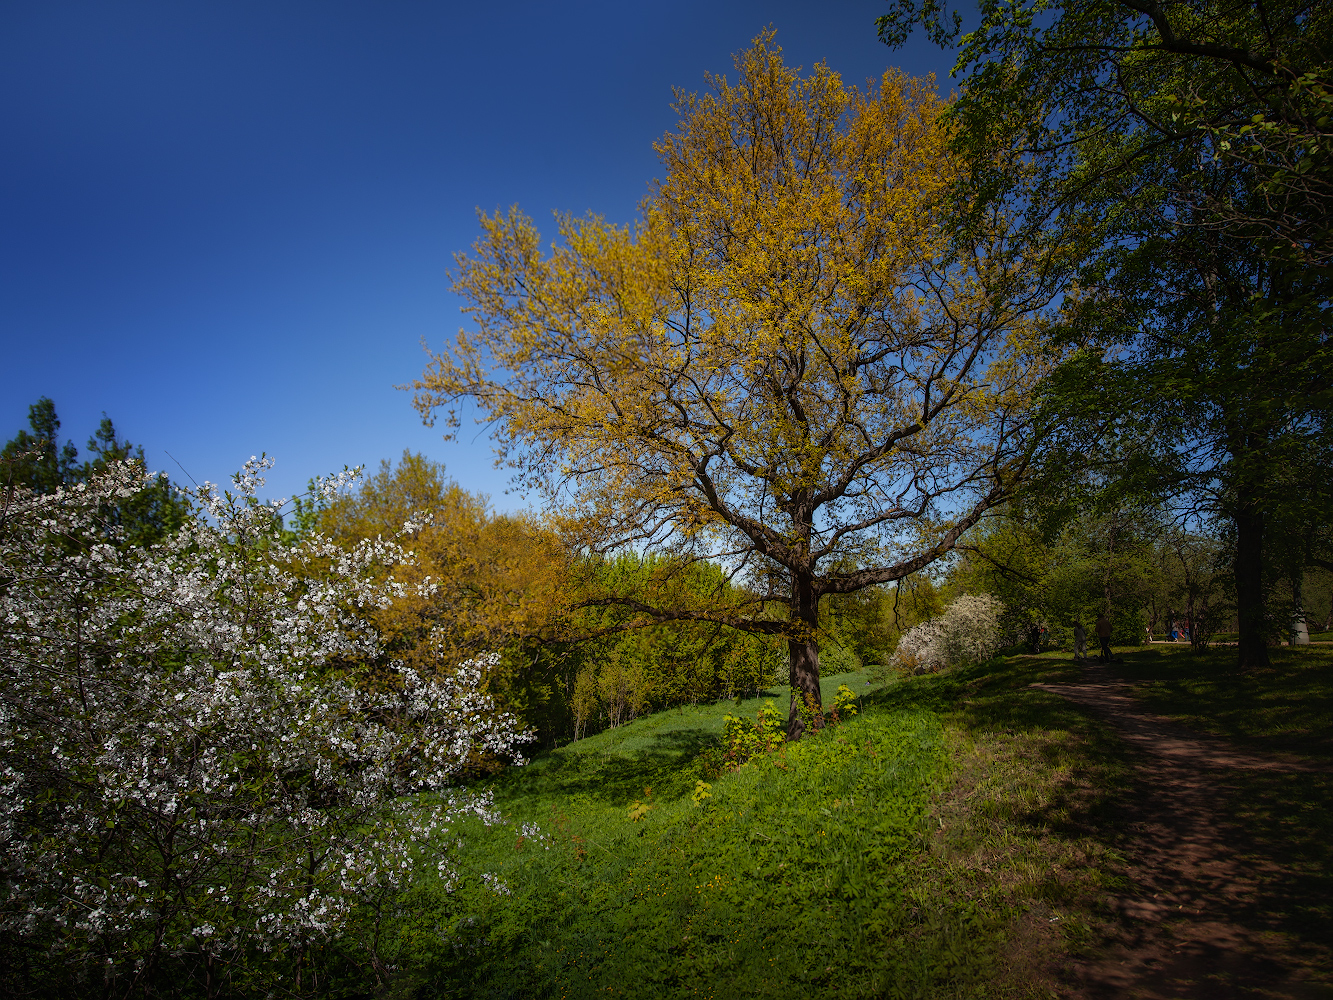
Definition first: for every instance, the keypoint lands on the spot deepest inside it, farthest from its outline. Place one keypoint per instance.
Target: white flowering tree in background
(967, 632)
(202, 754)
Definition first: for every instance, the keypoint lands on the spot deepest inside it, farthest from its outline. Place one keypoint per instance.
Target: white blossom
(967, 632)
(202, 748)
(495, 884)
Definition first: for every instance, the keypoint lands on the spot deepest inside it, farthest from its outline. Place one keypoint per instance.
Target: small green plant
(702, 790)
(744, 739)
(844, 706)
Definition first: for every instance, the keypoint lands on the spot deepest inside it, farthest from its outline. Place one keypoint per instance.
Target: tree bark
(803, 654)
(1253, 645)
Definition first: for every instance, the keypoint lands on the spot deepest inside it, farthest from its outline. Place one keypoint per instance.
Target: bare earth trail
(1199, 916)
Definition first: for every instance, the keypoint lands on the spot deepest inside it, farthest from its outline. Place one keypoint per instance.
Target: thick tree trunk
(1253, 645)
(803, 655)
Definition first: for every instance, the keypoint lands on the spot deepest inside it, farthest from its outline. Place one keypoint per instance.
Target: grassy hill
(955, 838)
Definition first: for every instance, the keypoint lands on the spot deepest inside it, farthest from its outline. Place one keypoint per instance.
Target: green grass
(1286, 708)
(660, 751)
(797, 870)
(958, 838)
(934, 846)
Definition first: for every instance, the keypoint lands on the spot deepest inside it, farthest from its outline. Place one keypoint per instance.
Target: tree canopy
(1115, 100)
(1186, 147)
(789, 363)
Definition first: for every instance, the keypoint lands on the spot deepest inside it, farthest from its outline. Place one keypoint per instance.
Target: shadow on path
(1203, 915)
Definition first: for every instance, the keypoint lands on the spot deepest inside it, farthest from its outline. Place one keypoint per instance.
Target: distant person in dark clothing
(1104, 637)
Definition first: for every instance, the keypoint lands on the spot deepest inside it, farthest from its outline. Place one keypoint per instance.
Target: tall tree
(1189, 144)
(787, 364)
(37, 460)
(1235, 349)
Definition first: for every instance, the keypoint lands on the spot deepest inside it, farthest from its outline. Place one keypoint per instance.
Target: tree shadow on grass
(1055, 779)
(1078, 770)
(995, 695)
(659, 762)
(1287, 708)
(1286, 819)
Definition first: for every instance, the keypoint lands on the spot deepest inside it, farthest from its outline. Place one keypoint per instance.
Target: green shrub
(743, 739)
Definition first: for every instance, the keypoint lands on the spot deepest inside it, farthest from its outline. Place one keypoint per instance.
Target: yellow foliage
(495, 577)
(789, 358)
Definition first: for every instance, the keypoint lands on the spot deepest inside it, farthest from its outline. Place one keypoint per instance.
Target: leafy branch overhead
(1124, 95)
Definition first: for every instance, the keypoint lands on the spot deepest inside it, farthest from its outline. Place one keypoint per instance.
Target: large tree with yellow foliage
(789, 364)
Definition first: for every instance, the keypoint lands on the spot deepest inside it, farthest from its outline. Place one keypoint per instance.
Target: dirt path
(1198, 918)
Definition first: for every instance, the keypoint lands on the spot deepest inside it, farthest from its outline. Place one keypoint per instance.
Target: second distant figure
(1104, 637)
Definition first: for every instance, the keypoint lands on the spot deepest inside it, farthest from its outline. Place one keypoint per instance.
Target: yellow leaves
(640, 809)
(787, 320)
(496, 577)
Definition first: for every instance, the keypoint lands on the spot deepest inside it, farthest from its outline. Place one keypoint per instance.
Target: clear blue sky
(229, 225)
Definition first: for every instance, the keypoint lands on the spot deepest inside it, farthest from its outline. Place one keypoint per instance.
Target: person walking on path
(1104, 636)
(1080, 643)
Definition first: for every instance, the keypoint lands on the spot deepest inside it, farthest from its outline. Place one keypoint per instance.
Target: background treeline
(35, 458)
(571, 663)
(575, 656)
(1139, 565)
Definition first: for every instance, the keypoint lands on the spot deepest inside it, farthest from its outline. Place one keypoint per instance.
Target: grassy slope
(955, 839)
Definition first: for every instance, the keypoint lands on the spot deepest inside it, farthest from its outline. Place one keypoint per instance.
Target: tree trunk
(803, 655)
(1198, 641)
(1253, 644)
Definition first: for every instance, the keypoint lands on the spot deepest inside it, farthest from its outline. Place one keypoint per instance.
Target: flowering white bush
(202, 752)
(967, 632)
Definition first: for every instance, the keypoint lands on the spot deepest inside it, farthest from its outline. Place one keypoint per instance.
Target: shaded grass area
(1286, 819)
(1030, 817)
(941, 844)
(1286, 708)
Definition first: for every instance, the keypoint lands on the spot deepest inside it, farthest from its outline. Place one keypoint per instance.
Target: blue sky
(229, 225)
